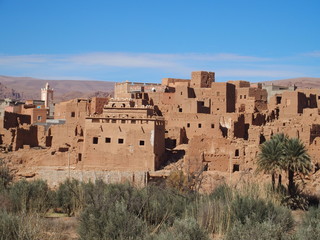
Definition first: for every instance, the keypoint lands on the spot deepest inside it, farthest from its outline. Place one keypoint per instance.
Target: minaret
(47, 95)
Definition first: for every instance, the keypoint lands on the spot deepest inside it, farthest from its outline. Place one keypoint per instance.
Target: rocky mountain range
(23, 88)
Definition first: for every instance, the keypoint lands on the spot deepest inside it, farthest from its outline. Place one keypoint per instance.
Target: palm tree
(281, 138)
(295, 160)
(270, 156)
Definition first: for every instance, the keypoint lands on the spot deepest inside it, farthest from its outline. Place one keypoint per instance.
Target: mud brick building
(221, 124)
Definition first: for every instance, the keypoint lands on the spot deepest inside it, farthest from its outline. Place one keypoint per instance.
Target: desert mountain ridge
(23, 88)
(301, 82)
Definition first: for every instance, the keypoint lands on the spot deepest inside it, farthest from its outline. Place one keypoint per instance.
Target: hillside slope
(302, 82)
(29, 88)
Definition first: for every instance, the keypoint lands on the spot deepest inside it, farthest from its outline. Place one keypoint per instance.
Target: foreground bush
(164, 205)
(310, 226)
(20, 227)
(225, 207)
(185, 229)
(34, 196)
(5, 175)
(259, 210)
(115, 222)
(266, 230)
(69, 196)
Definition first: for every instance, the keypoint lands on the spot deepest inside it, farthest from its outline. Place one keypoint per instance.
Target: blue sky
(149, 40)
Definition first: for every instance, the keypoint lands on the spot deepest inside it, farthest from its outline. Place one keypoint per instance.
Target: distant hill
(24, 88)
(302, 82)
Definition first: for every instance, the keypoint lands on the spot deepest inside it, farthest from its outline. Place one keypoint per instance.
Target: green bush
(310, 226)
(184, 229)
(214, 215)
(115, 222)
(258, 210)
(20, 227)
(69, 196)
(253, 230)
(164, 205)
(31, 196)
(5, 175)
(225, 206)
(222, 192)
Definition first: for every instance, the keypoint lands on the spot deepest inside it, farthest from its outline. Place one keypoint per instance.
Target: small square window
(133, 121)
(199, 125)
(180, 109)
(244, 96)
(73, 114)
(141, 142)
(120, 141)
(212, 125)
(39, 118)
(113, 120)
(236, 168)
(188, 125)
(123, 121)
(108, 140)
(236, 153)
(95, 140)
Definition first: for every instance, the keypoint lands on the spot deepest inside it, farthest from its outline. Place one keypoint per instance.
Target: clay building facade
(221, 123)
(125, 137)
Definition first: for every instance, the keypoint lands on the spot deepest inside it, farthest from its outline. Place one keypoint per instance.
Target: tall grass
(121, 211)
(309, 229)
(226, 206)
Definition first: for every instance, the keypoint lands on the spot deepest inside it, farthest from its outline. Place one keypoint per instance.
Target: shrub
(20, 227)
(225, 206)
(163, 206)
(5, 175)
(115, 222)
(222, 192)
(253, 230)
(102, 195)
(69, 196)
(214, 215)
(258, 210)
(310, 226)
(31, 196)
(183, 229)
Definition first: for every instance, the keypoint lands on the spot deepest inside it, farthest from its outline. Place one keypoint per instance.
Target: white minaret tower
(47, 95)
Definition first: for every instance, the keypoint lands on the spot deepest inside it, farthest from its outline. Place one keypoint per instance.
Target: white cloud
(108, 65)
(257, 73)
(122, 60)
(23, 59)
(312, 54)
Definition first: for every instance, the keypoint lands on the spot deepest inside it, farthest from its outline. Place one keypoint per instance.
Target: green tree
(6, 176)
(295, 160)
(270, 157)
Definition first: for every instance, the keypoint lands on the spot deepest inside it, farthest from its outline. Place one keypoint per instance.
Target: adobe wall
(73, 111)
(12, 120)
(54, 177)
(123, 144)
(38, 115)
(97, 104)
(222, 123)
(202, 79)
(214, 155)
